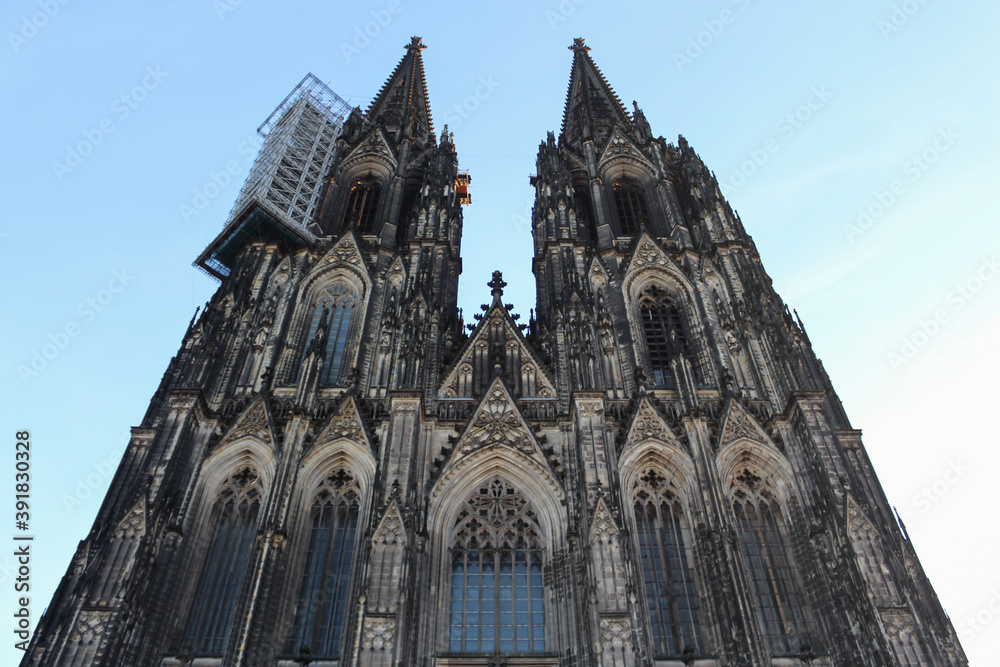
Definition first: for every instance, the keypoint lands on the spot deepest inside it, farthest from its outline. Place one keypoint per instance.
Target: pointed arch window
(669, 585)
(322, 599)
(234, 522)
(362, 205)
(497, 603)
(761, 528)
(333, 310)
(630, 205)
(663, 328)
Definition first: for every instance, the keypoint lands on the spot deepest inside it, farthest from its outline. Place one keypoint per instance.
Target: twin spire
(401, 106)
(592, 107)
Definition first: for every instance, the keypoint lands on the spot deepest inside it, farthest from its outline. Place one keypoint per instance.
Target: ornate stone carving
(649, 425)
(603, 528)
(345, 423)
(498, 422)
(253, 423)
(390, 529)
(648, 254)
(90, 625)
(740, 425)
(616, 633)
(345, 251)
(379, 633)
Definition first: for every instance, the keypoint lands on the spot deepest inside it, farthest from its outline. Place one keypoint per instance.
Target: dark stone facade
(576, 408)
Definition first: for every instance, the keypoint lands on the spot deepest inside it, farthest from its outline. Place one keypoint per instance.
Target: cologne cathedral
(337, 469)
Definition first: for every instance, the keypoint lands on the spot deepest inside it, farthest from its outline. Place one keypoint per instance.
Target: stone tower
(337, 470)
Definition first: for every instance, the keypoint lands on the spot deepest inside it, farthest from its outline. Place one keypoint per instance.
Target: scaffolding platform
(282, 191)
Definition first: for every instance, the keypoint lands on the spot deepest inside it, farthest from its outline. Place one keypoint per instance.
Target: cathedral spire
(401, 105)
(592, 107)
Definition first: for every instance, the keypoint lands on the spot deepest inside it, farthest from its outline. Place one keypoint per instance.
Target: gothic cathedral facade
(337, 470)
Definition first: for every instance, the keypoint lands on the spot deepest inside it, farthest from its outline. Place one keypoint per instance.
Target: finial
(415, 43)
(497, 284)
(578, 45)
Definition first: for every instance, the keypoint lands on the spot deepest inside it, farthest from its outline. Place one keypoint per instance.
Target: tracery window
(761, 528)
(333, 309)
(321, 603)
(496, 574)
(362, 204)
(630, 204)
(234, 522)
(673, 608)
(663, 328)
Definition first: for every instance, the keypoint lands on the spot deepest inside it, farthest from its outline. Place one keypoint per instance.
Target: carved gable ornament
(133, 524)
(497, 430)
(498, 421)
(390, 529)
(648, 254)
(603, 528)
(253, 422)
(740, 425)
(345, 250)
(374, 146)
(344, 423)
(621, 148)
(649, 425)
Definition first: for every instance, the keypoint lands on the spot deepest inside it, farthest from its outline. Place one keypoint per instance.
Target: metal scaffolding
(282, 192)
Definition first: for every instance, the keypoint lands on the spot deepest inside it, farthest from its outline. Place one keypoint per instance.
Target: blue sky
(809, 113)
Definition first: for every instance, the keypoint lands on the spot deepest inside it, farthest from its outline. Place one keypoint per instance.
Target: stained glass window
(234, 522)
(335, 303)
(497, 600)
(673, 608)
(321, 603)
(761, 528)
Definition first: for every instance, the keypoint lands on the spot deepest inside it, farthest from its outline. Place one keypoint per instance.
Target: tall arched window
(362, 204)
(321, 604)
(234, 522)
(630, 204)
(664, 331)
(496, 574)
(333, 309)
(673, 608)
(761, 528)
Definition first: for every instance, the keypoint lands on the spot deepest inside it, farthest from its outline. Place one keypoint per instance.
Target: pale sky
(857, 140)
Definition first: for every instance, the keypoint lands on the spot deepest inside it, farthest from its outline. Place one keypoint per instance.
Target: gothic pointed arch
(658, 481)
(373, 155)
(325, 553)
(621, 157)
(119, 559)
(758, 483)
(222, 550)
(330, 312)
(497, 554)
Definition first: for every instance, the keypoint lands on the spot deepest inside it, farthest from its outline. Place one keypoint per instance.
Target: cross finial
(415, 43)
(578, 45)
(497, 284)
